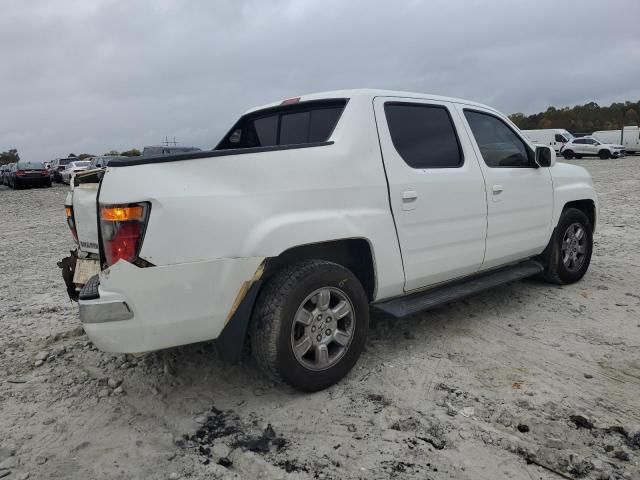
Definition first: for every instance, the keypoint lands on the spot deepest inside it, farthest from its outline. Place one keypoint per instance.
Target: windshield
(81, 164)
(64, 161)
(568, 136)
(30, 166)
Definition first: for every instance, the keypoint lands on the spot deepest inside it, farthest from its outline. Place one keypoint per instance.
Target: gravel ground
(526, 381)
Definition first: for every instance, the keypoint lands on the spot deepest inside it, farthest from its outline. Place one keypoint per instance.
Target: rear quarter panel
(261, 204)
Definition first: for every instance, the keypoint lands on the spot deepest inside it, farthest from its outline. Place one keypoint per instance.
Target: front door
(519, 193)
(436, 189)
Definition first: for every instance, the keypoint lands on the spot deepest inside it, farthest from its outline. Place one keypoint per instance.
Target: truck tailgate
(85, 214)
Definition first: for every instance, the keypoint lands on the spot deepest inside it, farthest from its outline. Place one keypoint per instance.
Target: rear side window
(498, 143)
(423, 135)
(294, 128)
(307, 122)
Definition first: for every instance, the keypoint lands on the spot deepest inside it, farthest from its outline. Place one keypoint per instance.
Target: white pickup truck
(311, 211)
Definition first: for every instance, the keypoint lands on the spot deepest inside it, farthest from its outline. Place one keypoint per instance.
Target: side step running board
(425, 300)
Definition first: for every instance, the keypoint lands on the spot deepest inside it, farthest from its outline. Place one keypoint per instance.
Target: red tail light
(45, 172)
(19, 173)
(290, 101)
(71, 221)
(122, 228)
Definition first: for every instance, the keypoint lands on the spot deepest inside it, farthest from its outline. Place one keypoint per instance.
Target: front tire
(604, 154)
(568, 154)
(310, 324)
(568, 255)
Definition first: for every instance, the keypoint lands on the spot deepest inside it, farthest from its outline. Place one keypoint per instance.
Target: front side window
(560, 138)
(423, 135)
(307, 122)
(498, 143)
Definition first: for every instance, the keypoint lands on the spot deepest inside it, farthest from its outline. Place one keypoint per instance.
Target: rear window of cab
(291, 124)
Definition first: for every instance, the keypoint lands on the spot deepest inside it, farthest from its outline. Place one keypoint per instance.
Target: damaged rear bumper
(143, 309)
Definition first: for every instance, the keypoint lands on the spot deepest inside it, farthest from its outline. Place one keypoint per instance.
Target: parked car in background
(553, 137)
(4, 174)
(310, 211)
(8, 174)
(57, 166)
(628, 137)
(156, 150)
(72, 168)
(29, 174)
(591, 147)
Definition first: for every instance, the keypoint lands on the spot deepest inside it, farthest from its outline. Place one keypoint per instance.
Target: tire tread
(266, 321)
(551, 255)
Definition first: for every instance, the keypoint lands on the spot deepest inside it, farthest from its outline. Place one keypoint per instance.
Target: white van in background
(553, 137)
(629, 137)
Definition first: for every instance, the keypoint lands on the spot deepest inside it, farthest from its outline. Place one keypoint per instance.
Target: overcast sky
(92, 75)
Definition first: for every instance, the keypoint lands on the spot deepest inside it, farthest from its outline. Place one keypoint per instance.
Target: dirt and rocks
(527, 381)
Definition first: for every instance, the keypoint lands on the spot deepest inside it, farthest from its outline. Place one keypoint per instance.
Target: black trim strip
(131, 161)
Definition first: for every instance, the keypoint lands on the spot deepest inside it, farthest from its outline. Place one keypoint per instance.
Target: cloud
(80, 76)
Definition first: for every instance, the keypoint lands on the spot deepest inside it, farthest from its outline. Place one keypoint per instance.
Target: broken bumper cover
(145, 309)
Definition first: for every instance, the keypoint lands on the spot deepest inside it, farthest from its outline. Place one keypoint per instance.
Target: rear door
(436, 189)
(519, 193)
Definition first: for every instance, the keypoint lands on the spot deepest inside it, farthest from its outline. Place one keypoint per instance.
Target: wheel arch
(356, 254)
(586, 206)
(606, 151)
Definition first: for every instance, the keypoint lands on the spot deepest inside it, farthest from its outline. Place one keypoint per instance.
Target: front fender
(572, 183)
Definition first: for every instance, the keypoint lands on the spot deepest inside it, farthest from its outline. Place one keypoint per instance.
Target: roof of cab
(371, 93)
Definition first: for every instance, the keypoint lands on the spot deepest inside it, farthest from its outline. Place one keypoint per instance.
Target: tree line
(585, 118)
(12, 156)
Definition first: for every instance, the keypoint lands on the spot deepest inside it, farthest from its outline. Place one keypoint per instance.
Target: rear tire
(568, 255)
(604, 154)
(568, 154)
(291, 306)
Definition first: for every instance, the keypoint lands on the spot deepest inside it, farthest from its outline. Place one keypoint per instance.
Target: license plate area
(85, 269)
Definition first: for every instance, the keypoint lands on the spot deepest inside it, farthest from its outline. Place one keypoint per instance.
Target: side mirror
(544, 156)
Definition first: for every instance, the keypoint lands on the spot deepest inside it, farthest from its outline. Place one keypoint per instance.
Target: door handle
(409, 198)
(497, 190)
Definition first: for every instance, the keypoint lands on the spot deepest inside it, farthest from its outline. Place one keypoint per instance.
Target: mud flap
(230, 342)
(68, 266)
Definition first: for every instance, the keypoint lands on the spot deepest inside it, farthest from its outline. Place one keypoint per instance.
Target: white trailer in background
(629, 137)
(553, 137)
